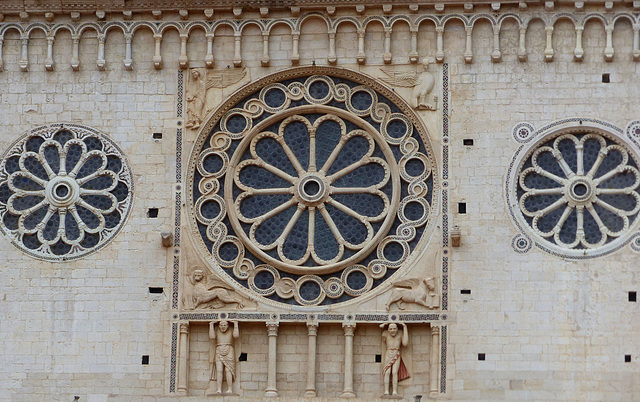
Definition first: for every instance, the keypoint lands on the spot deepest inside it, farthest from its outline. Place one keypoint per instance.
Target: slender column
(332, 59)
(183, 354)
(349, 329)
(237, 56)
(208, 59)
(128, 60)
(157, 57)
(434, 356)
(387, 45)
(439, 44)
(24, 60)
(75, 58)
(1, 62)
(311, 360)
(636, 42)
(362, 57)
(578, 53)
(100, 62)
(413, 55)
(608, 50)
(548, 51)
(468, 51)
(48, 62)
(272, 332)
(295, 54)
(183, 60)
(522, 47)
(265, 61)
(496, 55)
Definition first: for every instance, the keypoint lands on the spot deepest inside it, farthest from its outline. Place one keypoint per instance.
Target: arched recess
(426, 37)
(535, 40)
(114, 47)
(170, 47)
(88, 47)
(197, 45)
(374, 41)
(62, 48)
(400, 40)
(12, 47)
(623, 37)
(37, 48)
(509, 38)
(314, 40)
(280, 43)
(143, 47)
(564, 39)
(482, 38)
(594, 38)
(454, 38)
(251, 49)
(223, 45)
(346, 42)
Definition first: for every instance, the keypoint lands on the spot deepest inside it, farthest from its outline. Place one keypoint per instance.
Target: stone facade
(469, 170)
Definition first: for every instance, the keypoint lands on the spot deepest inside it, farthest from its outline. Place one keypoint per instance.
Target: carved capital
(349, 328)
(272, 328)
(313, 328)
(184, 327)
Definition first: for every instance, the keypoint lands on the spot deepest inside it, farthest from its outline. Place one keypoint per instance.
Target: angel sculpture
(415, 290)
(200, 82)
(422, 84)
(212, 293)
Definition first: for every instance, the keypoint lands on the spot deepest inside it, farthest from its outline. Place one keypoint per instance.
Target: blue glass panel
(538, 181)
(257, 177)
(547, 161)
(98, 201)
(590, 154)
(413, 211)
(352, 151)
(309, 290)
(71, 228)
(272, 153)
(327, 137)
(32, 220)
(34, 166)
(414, 167)
(99, 183)
(25, 183)
(5, 193)
(264, 280)
(50, 230)
(93, 143)
(568, 231)
(33, 144)
(274, 98)
(349, 227)
(364, 176)
(620, 180)
(271, 229)
(257, 205)
(210, 209)
(114, 163)
(120, 191)
(112, 219)
(12, 165)
(610, 220)
(318, 90)
(361, 100)
(364, 204)
(10, 221)
(26, 202)
(295, 244)
(228, 251)
(357, 280)
(396, 128)
(536, 203)
(88, 217)
(212, 163)
(592, 231)
(393, 251)
(63, 136)
(297, 138)
(90, 240)
(626, 202)
(549, 221)
(90, 166)
(60, 248)
(53, 158)
(325, 243)
(568, 150)
(31, 241)
(73, 156)
(236, 123)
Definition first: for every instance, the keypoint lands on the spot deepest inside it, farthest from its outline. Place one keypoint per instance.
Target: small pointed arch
(595, 16)
(478, 17)
(58, 27)
(280, 21)
(312, 15)
(346, 20)
(261, 26)
(6, 28)
(227, 23)
(113, 25)
(564, 16)
(197, 24)
(38, 26)
(142, 24)
(162, 29)
(396, 18)
(510, 16)
(80, 29)
(375, 18)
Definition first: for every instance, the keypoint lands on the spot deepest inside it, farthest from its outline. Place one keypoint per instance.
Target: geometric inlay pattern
(65, 191)
(311, 190)
(578, 189)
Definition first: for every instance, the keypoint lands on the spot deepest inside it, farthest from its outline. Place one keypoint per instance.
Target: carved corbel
(578, 53)
(468, 51)
(100, 62)
(361, 57)
(413, 55)
(183, 60)
(295, 54)
(75, 58)
(128, 60)
(48, 62)
(209, 61)
(237, 56)
(387, 46)
(636, 42)
(24, 60)
(496, 55)
(332, 58)
(548, 51)
(608, 50)
(157, 57)
(265, 61)
(522, 47)
(439, 44)
(1, 61)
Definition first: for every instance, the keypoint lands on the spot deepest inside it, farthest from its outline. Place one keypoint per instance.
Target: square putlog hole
(243, 357)
(633, 296)
(606, 78)
(468, 142)
(627, 358)
(157, 136)
(145, 359)
(462, 207)
(152, 213)
(378, 358)
(481, 356)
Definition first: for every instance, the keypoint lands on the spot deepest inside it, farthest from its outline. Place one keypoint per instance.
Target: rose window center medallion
(311, 190)
(65, 190)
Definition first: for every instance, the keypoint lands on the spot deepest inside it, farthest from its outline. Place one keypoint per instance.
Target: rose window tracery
(578, 190)
(311, 190)
(64, 191)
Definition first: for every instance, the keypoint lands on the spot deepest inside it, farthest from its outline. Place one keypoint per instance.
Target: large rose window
(64, 191)
(578, 190)
(312, 190)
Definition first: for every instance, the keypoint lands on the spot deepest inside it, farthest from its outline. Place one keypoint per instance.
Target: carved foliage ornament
(311, 189)
(65, 191)
(577, 189)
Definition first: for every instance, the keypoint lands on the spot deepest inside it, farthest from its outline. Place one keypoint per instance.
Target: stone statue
(224, 358)
(200, 82)
(415, 290)
(422, 84)
(394, 367)
(210, 294)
